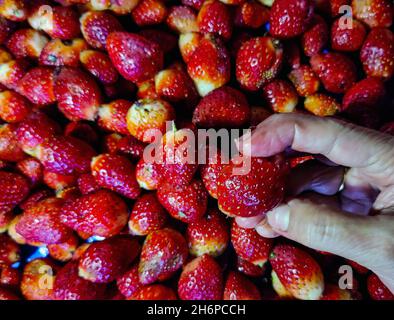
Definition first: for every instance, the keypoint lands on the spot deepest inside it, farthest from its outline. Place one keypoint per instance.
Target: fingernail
(279, 218)
(265, 230)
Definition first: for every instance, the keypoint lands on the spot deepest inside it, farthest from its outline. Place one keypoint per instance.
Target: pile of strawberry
(83, 82)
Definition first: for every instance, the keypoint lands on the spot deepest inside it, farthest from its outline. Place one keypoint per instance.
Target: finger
(249, 223)
(340, 142)
(265, 230)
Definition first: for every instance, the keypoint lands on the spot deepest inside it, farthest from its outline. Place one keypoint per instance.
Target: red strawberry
(238, 287)
(59, 182)
(251, 14)
(215, 17)
(377, 290)
(182, 19)
(209, 64)
(333, 292)
(211, 170)
(42, 93)
(146, 116)
(334, 6)
(12, 232)
(347, 39)
(9, 250)
(377, 53)
(337, 72)
(87, 183)
(136, 58)
(13, 106)
(281, 96)
(38, 278)
(209, 235)
(250, 246)
(34, 198)
(26, 43)
(186, 203)
(249, 193)
(298, 272)
(105, 260)
(129, 283)
(69, 286)
(6, 28)
(165, 40)
(78, 95)
(201, 279)
(367, 93)
(11, 72)
(249, 268)
(112, 116)
(322, 105)
(14, 188)
(116, 173)
(132, 147)
(99, 65)
(9, 277)
(9, 148)
(149, 12)
(196, 4)
(316, 37)
(101, 213)
(120, 7)
(375, 13)
(147, 174)
(59, 22)
(154, 292)
(223, 107)
(96, 26)
(163, 253)
(188, 43)
(304, 80)
(258, 62)
(290, 18)
(64, 251)
(110, 142)
(279, 288)
(41, 223)
(147, 216)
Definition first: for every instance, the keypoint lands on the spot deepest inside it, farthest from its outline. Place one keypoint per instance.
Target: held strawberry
(238, 287)
(163, 253)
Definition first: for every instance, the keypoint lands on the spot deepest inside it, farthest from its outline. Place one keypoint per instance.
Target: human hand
(321, 221)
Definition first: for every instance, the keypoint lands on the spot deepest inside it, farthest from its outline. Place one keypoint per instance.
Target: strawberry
(238, 287)
(14, 188)
(147, 90)
(196, 4)
(11, 72)
(299, 273)
(367, 93)
(377, 290)
(62, 52)
(347, 39)
(154, 292)
(209, 64)
(58, 22)
(101, 213)
(78, 95)
(281, 96)
(116, 173)
(304, 80)
(6, 28)
(9, 277)
(336, 71)
(147, 116)
(248, 194)
(188, 43)
(147, 216)
(42, 93)
(251, 14)
(333, 292)
(40, 223)
(132, 147)
(163, 253)
(186, 203)
(209, 235)
(99, 65)
(59, 182)
(105, 260)
(87, 183)
(13, 106)
(223, 107)
(250, 246)
(290, 18)
(38, 278)
(14, 10)
(112, 116)
(110, 142)
(120, 7)
(7, 294)
(129, 283)
(182, 19)
(6, 216)
(279, 288)
(9, 148)
(334, 6)
(26, 43)
(249, 268)
(322, 105)
(69, 286)
(147, 174)
(215, 17)
(136, 58)
(9, 250)
(34, 198)
(377, 53)
(375, 13)
(165, 40)
(82, 131)
(12, 232)
(149, 12)
(211, 170)
(64, 251)
(258, 62)
(201, 279)
(316, 37)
